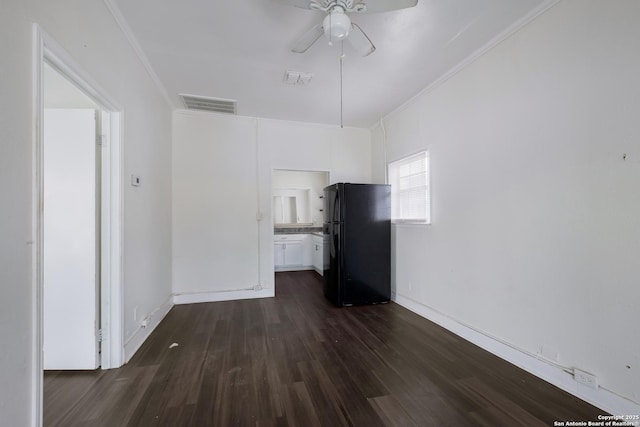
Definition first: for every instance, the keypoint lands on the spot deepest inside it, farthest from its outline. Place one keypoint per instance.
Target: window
(410, 198)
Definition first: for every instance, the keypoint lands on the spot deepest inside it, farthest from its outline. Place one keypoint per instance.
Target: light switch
(136, 180)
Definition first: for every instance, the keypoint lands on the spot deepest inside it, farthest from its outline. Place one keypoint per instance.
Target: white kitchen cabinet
(290, 252)
(287, 254)
(278, 254)
(317, 244)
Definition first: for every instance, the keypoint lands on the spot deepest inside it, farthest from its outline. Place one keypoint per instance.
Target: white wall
(378, 154)
(215, 232)
(535, 235)
(91, 37)
(222, 171)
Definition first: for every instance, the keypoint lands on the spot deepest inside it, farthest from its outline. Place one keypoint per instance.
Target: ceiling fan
(337, 25)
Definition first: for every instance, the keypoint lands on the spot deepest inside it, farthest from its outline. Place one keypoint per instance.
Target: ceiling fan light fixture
(336, 26)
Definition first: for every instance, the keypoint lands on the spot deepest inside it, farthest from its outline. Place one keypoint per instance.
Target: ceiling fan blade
(304, 4)
(375, 6)
(308, 39)
(360, 41)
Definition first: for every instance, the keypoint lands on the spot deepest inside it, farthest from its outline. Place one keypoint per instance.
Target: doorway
(297, 197)
(72, 130)
(297, 209)
(61, 174)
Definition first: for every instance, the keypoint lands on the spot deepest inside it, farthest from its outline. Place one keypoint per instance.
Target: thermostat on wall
(136, 181)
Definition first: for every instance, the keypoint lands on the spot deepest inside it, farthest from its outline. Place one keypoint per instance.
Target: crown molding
(131, 38)
(187, 112)
(512, 29)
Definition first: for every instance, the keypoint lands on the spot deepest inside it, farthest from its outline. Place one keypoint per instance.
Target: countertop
(297, 230)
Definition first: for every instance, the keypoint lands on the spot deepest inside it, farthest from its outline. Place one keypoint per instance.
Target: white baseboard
(137, 338)
(600, 397)
(197, 297)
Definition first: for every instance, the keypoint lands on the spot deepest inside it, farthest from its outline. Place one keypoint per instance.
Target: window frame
(395, 203)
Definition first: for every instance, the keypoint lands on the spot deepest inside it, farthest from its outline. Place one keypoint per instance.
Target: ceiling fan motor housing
(336, 25)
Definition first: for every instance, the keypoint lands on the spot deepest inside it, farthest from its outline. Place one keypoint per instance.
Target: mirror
(291, 206)
(297, 197)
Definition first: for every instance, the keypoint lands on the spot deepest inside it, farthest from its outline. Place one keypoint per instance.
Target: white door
(70, 240)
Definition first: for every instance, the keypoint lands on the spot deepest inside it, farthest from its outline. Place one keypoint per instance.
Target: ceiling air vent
(216, 105)
(297, 78)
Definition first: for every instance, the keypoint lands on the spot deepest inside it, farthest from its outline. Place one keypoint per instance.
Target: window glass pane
(409, 179)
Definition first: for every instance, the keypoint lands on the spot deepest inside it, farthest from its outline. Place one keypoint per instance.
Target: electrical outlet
(135, 313)
(585, 378)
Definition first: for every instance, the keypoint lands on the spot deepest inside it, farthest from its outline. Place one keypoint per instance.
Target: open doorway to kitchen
(298, 216)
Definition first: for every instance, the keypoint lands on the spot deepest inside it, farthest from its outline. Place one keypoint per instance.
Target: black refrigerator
(358, 224)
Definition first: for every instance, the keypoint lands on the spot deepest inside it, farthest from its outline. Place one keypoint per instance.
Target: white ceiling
(240, 50)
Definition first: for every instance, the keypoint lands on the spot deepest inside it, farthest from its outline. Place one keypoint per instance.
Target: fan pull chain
(341, 59)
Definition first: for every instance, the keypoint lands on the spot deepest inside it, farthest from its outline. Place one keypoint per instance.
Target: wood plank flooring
(296, 360)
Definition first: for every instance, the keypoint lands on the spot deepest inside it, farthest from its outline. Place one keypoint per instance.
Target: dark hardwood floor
(296, 360)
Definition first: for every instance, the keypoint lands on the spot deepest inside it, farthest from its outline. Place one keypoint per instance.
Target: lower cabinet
(278, 254)
(317, 244)
(287, 254)
(293, 252)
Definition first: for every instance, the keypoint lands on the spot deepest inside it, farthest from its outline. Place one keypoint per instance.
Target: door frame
(46, 49)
